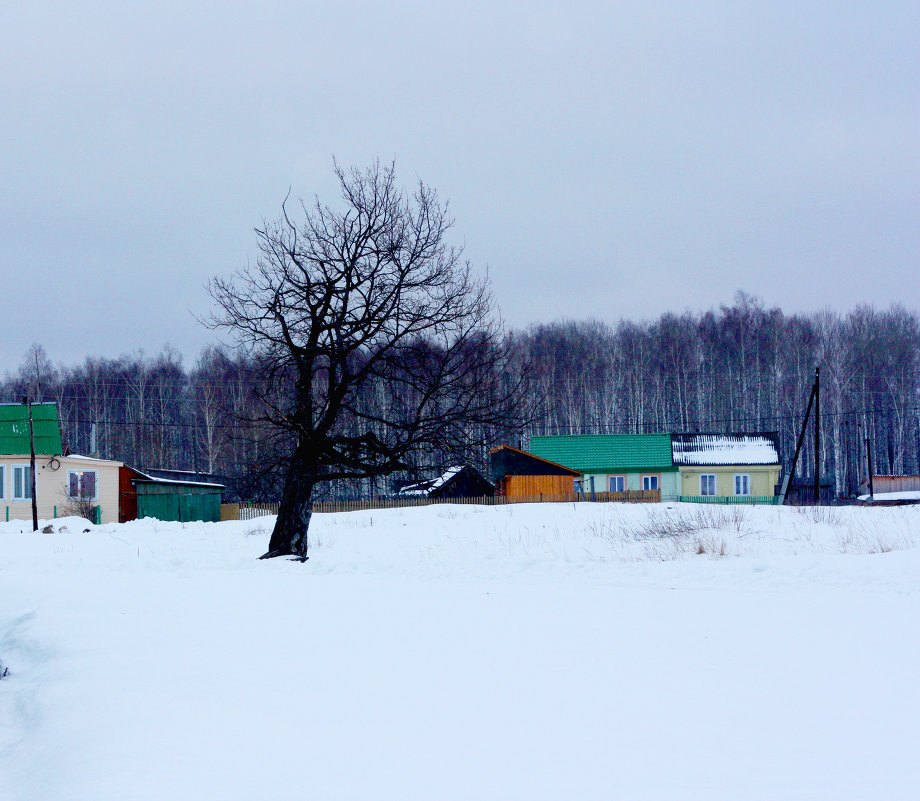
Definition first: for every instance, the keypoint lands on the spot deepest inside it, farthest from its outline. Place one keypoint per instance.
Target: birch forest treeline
(740, 368)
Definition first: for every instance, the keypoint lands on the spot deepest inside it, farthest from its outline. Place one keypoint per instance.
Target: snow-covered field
(598, 651)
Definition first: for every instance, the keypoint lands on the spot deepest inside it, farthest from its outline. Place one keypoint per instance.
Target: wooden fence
(749, 500)
(248, 511)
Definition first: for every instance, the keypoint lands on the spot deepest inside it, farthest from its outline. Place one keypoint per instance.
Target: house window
(22, 482)
(649, 482)
(81, 484)
(618, 483)
(578, 486)
(708, 484)
(2, 482)
(742, 484)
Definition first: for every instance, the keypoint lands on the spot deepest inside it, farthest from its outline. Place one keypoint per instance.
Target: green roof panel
(14, 429)
(607, 453)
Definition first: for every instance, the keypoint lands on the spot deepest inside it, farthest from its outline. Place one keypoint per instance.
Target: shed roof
(142, 477)
(726, 449)
(425, 488)
(185, 477)
(76, 457)
(452, 475)
(607, 453)
(508, 461)
(14, 429)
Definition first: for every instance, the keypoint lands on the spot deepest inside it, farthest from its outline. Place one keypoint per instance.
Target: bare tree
(380, 349)
(38, 372)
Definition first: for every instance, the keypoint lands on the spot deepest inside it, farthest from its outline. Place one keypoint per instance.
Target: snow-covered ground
(597, 651)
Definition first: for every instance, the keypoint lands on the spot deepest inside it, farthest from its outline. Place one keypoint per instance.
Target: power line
(693, 423)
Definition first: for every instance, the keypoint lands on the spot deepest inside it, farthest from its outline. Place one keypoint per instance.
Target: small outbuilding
(463, 481)
(882, 484)
(146, 494)
(519, 474)
(801, 491)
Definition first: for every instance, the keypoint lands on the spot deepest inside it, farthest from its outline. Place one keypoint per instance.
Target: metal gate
(183, 508)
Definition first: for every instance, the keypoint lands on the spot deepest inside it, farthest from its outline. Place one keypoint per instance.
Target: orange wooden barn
(517, 474)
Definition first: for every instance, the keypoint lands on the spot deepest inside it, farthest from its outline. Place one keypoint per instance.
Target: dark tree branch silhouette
(380, 349)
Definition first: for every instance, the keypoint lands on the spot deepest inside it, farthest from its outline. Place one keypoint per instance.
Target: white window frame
(26, 470)
(747, 484)
(83, 497)
(647, 479)
(612, 479)
(704, 480)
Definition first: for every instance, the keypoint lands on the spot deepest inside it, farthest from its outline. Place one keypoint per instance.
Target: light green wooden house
(615, 462)
(696, 468)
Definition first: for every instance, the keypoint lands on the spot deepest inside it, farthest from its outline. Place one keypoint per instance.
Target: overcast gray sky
(603, 160)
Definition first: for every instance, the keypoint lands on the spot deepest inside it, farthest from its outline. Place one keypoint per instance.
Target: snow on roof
(719, 449)
(182, 482)
(81, 458)
(160, 472)
(427, 487)
(155, 480)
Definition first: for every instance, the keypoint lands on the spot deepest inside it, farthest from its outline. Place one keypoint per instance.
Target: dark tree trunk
(289, 537)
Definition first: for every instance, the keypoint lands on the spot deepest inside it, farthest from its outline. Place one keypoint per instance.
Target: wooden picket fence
(251, 510)
(734, 500)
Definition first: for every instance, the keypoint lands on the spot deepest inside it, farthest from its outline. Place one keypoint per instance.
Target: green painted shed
(145, 494)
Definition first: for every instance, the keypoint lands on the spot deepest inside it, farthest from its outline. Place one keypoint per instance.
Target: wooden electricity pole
(787, 481)
(869, 463)
(817, 435)
(28, 401)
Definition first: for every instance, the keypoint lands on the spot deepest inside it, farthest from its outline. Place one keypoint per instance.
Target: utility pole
(817, 435)
(869, 462)
(798, 447)
(846, 455)
(859, 444)
(28, 402)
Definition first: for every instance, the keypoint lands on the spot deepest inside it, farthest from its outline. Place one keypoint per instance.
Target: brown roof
(538, 458)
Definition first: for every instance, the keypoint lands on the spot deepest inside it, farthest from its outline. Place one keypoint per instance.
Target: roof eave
(731, 464)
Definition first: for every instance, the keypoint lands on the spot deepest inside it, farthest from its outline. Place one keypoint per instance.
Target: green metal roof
(607, 453)
(14, 429)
